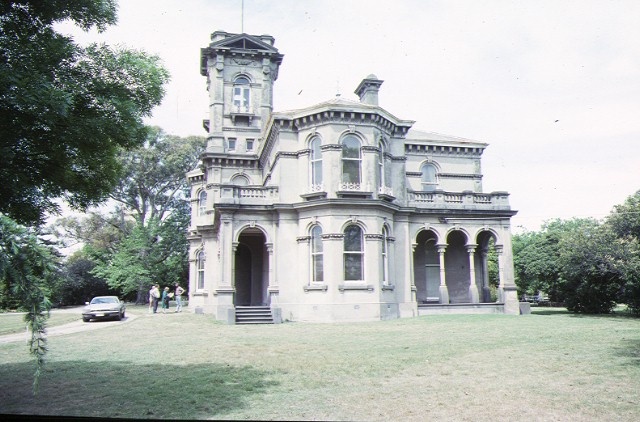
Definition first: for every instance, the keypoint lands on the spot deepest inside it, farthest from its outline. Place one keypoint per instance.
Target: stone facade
(339, 211)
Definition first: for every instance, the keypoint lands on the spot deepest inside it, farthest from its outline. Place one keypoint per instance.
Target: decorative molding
(316, 288)
(374, 237)
(331, 147)
(362, 287)
(332, 236)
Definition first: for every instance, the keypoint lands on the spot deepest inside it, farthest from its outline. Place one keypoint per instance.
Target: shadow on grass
(128, 390)
(630, 349)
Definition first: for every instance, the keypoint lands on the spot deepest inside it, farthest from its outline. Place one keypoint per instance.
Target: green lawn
(546, 366)
(12, 323)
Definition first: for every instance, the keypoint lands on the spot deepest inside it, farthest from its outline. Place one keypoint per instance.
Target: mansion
(340, 211)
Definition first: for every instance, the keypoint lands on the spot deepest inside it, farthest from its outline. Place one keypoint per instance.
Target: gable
(243, 42)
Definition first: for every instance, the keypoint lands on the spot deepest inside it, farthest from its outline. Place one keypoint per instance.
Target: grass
(550, 365)
(12, 323)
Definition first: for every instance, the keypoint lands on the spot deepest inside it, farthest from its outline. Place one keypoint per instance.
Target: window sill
(314, 195)
(354, 194)
(389, 287)
(316, 288)
(367, 287)
(200, 293)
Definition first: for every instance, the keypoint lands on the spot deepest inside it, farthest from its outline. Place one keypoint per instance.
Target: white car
(103, 307)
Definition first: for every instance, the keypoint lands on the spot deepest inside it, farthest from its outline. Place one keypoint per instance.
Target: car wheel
(122, 314)
(119, 317)
(85, 319)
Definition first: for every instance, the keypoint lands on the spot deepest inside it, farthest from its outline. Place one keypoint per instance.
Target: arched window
(315, 163)
(200, 271)
(429, 179)
(241, 95)
(317, 271)
(385, 255)
(353, 253)
(351, 160)
(202, 202)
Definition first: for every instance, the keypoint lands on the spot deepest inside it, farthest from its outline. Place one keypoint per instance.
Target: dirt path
(72, 327)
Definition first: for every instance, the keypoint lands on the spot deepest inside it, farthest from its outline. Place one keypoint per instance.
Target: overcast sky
(552, 86)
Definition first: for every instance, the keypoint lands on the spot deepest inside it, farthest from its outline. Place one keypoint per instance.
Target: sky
(552, 86)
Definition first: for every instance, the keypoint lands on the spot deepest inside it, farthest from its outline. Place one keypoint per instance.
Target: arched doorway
(251, 269)
(486, 264)
(457, 267)
(426, 267)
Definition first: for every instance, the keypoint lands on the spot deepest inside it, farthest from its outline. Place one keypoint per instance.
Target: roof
(427, 137)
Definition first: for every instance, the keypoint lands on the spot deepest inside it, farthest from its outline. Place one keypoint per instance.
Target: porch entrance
(251, 267)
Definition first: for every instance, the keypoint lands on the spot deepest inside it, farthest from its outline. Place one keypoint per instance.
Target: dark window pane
(353, 239)
(353, 266)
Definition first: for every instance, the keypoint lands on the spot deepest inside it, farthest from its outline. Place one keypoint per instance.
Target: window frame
(315, 161)
(430, 185)
(351, 256)
(241, 94)
(200, 260)
(385, 255)
(347, 162)
(316, 235)
(202, 202)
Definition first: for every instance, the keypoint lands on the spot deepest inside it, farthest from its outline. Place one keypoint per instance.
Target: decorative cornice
(439, 149)
(331, 147)
(374, 236)
(333, 236)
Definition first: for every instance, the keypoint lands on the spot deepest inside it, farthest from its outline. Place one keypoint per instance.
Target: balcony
(459, 200)
(348, 189)
(248, 195)
(314, 192)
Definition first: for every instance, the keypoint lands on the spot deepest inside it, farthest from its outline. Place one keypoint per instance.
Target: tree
(77, 284)
(27, 268)
(624, 221)
(153, 182)
(66, 111)
(154, 192)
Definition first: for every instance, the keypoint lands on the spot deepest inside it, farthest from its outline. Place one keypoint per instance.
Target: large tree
(66, 111)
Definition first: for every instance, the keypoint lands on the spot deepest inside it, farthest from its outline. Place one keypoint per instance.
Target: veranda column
(444, 291)
(499, 251)
(228, 252)
(414, 290)
(473, 287)
(486, 293)
(272, 289)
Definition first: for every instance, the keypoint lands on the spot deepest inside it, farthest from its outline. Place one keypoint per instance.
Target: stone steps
(253, 315)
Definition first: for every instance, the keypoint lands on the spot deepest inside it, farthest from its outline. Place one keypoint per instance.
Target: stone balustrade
(459, 200)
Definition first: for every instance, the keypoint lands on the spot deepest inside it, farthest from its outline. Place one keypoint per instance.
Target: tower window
(241, 95)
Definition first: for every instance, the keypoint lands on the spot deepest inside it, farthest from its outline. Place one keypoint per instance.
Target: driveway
(72, 327)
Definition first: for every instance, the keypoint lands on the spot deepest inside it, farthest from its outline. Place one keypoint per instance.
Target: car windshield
(96, 300)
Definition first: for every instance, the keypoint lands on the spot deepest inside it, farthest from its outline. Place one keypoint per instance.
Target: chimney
(368, 90)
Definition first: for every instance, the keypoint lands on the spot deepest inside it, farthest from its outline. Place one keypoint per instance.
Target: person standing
(178, 296)
(165, 300)
(155, 296)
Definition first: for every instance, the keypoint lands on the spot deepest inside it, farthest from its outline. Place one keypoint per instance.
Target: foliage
(66, 111)
(153, 182)
(536, 258)
(143, 240)
(77, 284)
(588, 264)
(27, 268)
(624, 221)
(591, 277)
